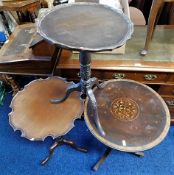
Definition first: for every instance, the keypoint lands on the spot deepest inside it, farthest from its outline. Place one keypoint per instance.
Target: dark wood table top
(127, 116)
(42, 118)
(17, 5)
(85, 26)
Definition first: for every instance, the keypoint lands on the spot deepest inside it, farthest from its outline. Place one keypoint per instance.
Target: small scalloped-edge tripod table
(85, 27)
(34, 115)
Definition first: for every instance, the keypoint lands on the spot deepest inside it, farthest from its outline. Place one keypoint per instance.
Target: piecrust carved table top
(34, 115)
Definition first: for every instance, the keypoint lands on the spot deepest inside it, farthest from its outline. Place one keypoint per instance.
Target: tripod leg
(74, 145)
(94, 81)
(102, 159)
(94, 108)
(70, 89)
(51, 151)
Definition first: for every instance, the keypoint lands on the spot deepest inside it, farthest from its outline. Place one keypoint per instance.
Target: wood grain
(34, 115)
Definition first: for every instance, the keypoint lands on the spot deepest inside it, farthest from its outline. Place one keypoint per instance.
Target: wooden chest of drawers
(155, 70)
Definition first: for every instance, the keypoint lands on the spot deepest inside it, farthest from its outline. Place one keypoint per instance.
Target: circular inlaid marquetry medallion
(124, 109)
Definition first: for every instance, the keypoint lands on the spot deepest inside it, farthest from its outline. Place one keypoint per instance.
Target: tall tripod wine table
(87, 28)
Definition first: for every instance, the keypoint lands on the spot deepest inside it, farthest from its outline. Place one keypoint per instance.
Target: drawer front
(166, 90)
(172, 117)
(100, 74)
(138, 76)
(106, 75)
(170, 78)
(151, 77)
(170, 103)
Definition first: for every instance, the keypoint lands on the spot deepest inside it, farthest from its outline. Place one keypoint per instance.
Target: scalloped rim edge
(120, 43)
(72, 125)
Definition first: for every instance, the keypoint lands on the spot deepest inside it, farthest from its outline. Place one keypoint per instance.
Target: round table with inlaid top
(134, 117)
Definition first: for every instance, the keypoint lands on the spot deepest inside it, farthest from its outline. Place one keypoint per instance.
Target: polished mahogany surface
(85, 26)
(133, 116)
(34, 115)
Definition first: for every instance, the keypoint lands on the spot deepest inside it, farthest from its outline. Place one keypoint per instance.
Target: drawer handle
(78, 74)
(170, 102)
(150, 77)
(119, 75)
